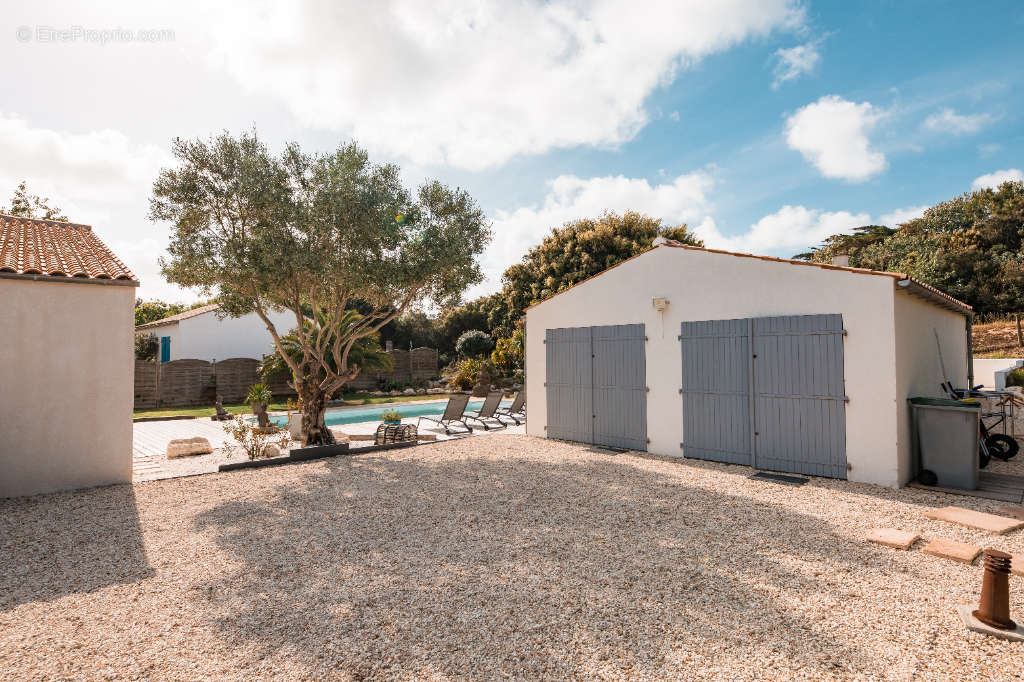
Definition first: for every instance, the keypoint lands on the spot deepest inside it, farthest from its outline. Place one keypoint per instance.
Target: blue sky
(765, 125)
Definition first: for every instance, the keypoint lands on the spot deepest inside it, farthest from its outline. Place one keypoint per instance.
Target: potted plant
(391, 417)
(259, 398)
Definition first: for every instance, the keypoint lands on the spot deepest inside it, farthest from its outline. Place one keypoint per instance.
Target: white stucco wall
(917, 367)
(702, 285)
(205, 337)
(991, 372)
(67, 362)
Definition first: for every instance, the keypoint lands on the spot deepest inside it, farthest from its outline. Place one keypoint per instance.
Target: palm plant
(366, 354)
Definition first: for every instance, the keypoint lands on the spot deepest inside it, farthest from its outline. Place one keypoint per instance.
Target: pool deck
(149, 446)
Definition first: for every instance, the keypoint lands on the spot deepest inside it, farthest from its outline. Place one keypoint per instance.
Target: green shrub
(465, 374)
(473, 344)
(508, 353)
(1015, 377)
(146, 346)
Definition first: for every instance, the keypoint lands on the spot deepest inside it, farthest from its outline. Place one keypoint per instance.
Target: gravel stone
(499, 557)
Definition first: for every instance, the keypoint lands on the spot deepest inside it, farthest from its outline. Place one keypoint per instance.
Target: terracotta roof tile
(30, 246)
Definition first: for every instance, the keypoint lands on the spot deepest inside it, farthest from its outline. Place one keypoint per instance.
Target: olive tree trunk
(314, 404)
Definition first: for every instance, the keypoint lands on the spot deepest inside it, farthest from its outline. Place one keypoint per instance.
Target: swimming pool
(371, 413)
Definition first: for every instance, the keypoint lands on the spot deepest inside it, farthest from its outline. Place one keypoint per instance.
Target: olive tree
(318, 235)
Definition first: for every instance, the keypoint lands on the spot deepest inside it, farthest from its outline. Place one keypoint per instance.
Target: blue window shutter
(165, 349)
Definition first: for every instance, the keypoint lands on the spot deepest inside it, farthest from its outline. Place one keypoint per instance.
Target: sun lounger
(516, 411)
(454, 413)
(487, 411)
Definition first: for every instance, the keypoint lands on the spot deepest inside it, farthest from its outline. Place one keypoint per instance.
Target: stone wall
(182, 383)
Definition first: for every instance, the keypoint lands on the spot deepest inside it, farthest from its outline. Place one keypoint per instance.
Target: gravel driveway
(505, 556)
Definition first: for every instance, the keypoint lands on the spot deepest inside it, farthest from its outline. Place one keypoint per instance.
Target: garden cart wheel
(1001, 446)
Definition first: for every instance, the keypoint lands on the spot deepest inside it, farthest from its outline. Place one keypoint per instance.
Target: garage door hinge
(845, 333)
(544, 341)
(679, 337)
(648, 441)
(682, 445)
(846, 398)
(646, 339)
(680, 391)
(647, 389)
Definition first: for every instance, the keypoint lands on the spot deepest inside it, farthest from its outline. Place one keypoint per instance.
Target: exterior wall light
(659, 303)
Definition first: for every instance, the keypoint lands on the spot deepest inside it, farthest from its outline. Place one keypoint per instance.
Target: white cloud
(100, 165)
(832, 133)
(101, 178)
(997, 178)
(948, 121)
(790, 229)
(902, 215)
(683, 199)
(473, 85)
(794, 62)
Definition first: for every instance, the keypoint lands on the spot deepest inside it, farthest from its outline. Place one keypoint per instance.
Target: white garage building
(782, 365)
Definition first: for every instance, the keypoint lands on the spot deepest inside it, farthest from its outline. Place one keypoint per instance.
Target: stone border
(168, 418)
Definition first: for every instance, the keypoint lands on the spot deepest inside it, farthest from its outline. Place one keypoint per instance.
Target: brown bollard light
(994, 607)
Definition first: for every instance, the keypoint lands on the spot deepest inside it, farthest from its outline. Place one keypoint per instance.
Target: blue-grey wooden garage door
(620, 386)
(596, 385)
(800, 395)
(570, 384)
(716, 390)
(769, 392)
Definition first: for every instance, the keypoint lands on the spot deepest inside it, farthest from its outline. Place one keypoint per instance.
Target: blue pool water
(370, 413)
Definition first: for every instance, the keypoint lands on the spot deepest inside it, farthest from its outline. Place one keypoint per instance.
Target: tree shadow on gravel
(379, 567)
(69, 543)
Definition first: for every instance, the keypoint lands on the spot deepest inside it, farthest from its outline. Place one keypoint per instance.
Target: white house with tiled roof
(204, 333)
(66, 358)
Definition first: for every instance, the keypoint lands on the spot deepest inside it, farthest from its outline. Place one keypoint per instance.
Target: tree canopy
(570, 254)
(28, 205)
(314, 234)
(577, 251)
(971, 247)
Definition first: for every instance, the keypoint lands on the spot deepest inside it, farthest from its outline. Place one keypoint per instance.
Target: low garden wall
(181, 383)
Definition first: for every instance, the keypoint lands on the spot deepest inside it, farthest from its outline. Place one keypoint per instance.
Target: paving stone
(951, 549)
(975, 519)
(1015, 512)
(890, 537)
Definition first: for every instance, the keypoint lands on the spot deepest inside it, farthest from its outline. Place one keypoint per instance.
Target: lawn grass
(243, 408)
